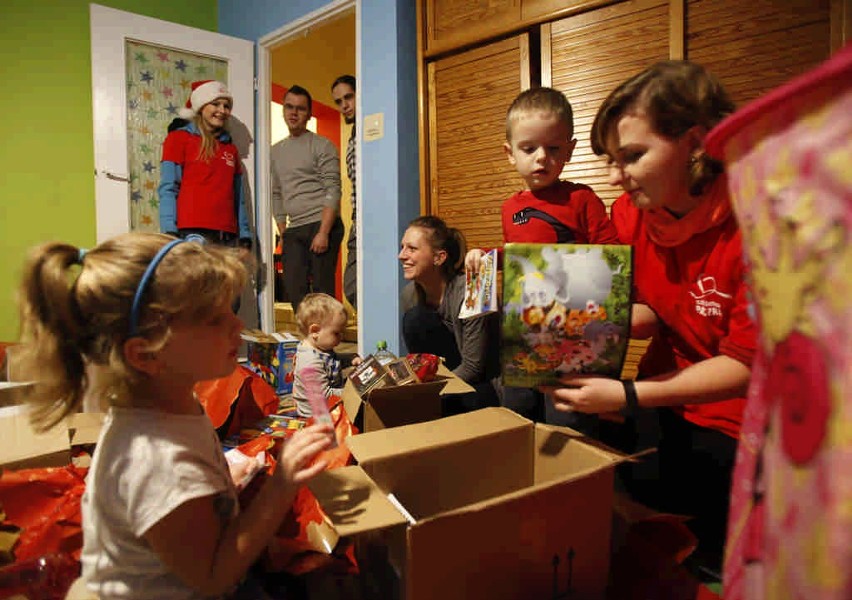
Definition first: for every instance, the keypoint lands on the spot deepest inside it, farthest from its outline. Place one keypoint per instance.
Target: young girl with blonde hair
(153, 314)
(201, 179)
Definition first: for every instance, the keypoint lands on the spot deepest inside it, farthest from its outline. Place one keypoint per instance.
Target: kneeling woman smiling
(431, 256)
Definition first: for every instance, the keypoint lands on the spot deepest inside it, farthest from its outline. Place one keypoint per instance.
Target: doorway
(311, 52)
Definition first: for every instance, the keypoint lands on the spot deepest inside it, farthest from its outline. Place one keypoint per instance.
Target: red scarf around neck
(714, 209)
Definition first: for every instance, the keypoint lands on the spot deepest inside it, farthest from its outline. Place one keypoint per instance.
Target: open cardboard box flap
(399, 441)
(357, 503)
(24, 447)
(531, 457)
(14, 392)
(85, 427)
(503, 491)
(455, 385)
(454, 456)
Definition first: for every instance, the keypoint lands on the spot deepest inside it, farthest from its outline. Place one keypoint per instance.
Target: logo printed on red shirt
(229, 158)
(706, 300)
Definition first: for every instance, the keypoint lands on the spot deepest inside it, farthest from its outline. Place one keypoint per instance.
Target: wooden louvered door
(469, 175)
(757, 45)
(586, 56)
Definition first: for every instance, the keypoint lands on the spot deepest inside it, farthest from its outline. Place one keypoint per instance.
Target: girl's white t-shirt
(145, 465)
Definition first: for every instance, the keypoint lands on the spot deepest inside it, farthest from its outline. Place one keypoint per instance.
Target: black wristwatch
(631, 408)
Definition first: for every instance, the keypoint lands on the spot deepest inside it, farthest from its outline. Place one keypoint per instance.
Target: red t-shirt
(562, 212)
(698, 291)
(206, 197)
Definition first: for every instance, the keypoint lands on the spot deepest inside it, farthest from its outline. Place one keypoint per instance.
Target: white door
(137, 59)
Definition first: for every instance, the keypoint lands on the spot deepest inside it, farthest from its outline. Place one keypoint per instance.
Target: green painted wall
(47, 188)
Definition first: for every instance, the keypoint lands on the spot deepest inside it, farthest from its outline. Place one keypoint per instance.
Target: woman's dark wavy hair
(676, 95)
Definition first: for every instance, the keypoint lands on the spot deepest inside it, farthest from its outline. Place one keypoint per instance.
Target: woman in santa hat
(201, 179)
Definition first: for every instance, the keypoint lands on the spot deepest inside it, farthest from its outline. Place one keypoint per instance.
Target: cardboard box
(500, 507)
(85, 427)
(395, 405)
(25, 448)
(13, 392)
(271, 356)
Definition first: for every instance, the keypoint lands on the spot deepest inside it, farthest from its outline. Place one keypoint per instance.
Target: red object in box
(424, 365)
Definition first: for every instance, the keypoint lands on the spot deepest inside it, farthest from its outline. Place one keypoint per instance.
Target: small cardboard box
(25, 448)
(271, 356)
(395, 405)
(14, 392)
(499, 507)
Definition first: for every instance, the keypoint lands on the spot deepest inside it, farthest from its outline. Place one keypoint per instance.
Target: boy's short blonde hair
(318, 309)
(540, 99)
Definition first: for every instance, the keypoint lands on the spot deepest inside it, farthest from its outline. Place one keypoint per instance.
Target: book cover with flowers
(566, 310)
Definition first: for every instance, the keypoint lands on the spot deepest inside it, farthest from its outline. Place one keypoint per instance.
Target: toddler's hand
(472, 260)
(296, 461)
(357, 360)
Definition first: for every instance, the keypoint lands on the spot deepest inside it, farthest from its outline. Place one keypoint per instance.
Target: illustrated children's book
(566, 310)
(481, 288)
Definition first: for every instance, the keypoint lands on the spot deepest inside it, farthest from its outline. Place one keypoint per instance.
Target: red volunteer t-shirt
(206, 197)
(698, 291)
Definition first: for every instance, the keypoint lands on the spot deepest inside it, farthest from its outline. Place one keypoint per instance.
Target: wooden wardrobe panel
(469, 175)
(453, 23)
(590, 54)
(551, 9)
(757, 45)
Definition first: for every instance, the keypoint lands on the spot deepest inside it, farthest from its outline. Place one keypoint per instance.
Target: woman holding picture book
(689, 289)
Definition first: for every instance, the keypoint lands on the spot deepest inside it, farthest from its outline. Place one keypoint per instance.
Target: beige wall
(316, 59)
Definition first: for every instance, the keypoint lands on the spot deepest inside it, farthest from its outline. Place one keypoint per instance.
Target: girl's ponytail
(52, 329)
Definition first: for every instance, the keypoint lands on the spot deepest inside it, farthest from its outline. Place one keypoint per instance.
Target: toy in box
(271, 356)
(277, 427)
(370, 375)
(566, 310)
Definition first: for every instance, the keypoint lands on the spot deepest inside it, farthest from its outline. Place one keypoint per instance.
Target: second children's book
(566, 310)
(480, 296)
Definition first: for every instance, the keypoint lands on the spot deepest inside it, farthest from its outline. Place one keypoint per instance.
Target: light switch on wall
(374, 127)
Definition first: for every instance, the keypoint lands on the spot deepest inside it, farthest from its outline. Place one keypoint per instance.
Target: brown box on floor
(481, 505)
(395, 405)
(25, 448)
(14, 392)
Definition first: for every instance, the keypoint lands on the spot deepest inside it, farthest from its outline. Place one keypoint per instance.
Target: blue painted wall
(390, 176)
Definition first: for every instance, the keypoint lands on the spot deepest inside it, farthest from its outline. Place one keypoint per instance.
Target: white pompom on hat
(204, 92)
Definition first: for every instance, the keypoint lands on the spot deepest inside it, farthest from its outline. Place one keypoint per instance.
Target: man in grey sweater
(306, 202)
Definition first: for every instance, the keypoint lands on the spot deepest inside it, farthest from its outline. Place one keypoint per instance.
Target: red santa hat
(204, 92)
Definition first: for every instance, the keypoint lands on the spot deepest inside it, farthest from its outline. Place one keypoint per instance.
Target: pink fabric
(788, 155)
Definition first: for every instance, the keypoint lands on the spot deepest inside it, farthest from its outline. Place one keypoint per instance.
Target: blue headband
(143, 284)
